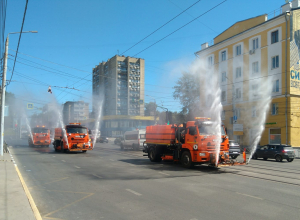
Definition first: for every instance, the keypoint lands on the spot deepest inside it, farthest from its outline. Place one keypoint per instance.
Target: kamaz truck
(40, 137)
(194, 142)
(73, 138)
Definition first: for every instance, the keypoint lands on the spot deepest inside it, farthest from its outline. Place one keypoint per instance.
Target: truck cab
(40, 137)
(202, 138)
(73, 138)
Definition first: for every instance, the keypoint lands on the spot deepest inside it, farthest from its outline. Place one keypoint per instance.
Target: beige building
(244, 54)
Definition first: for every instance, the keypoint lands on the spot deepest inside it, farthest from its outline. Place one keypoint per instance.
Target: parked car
(275, 151)
(102, 139)
(118, 140)
(234, 149)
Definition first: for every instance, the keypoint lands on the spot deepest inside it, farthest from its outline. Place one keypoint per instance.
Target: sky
(74, 36)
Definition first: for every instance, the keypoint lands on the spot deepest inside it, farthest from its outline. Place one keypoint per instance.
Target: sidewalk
(14, 204)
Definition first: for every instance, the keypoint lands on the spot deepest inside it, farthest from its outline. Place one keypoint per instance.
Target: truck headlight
(202, 154)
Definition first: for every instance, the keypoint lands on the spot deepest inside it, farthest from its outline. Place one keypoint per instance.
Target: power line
(180, 27)
(194, 17)
(162, 26)
(12, 73)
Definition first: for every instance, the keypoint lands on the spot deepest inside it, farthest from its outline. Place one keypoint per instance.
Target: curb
(34, 208)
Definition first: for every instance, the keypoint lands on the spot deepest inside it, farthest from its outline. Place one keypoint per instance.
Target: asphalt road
(108, 183)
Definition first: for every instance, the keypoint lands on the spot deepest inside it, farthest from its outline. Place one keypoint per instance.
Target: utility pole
(4, 87)
(3, 95)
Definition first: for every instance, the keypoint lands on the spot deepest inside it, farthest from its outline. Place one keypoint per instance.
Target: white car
(133, 139)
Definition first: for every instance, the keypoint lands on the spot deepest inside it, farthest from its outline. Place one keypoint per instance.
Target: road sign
(235, 117)
(29, 105)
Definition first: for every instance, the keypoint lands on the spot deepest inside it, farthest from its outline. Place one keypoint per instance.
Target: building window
(238, 50)
(238, 93)
(223, 96)
(255, 67)
(237, 113)
(274, 37)
(274, 109)
(223, 76)
(255, 44)
(238, 72)
(223, 115)
(253, 110)
(210, 61)
(223, 55)
(275, 62)
(275, 86)
(275, 136)
(254, 90)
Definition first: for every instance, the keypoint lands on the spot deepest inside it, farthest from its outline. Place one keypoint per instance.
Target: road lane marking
(63, 160)
(30, 199)
(164, 173)
(254, 197)
(97, 176)
(51, 213)
(134, 192)
(77, 167)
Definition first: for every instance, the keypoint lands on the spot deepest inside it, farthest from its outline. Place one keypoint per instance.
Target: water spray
(97, 124)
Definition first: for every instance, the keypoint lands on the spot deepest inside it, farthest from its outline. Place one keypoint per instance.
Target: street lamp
(3, 88)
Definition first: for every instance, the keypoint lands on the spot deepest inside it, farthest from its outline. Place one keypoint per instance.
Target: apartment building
(244, 54)
(75, 112)
(119, 82)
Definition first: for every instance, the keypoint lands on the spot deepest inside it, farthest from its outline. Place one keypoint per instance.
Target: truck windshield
(77, 130)
(208, 129)
(40, 130)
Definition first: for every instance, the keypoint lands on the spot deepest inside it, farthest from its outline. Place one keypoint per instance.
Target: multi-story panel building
(119, 82)
(75, 112)
(244, 54)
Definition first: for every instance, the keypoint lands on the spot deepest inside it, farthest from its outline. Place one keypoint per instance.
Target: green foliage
(187, 91)
(150, 109)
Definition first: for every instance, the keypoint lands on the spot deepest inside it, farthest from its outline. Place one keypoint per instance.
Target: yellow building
(251, 50)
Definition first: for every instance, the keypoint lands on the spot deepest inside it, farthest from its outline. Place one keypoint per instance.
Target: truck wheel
(153, 156)
(84, 151)
(61, 146)
(186, 159)
(122, 147)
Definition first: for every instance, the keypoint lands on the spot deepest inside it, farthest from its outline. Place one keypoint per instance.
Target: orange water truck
(40, 137)
(194, 142)
(74, 137)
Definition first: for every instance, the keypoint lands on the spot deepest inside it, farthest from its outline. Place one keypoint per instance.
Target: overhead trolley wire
(162, 26)
(181, 27)
(12, 73)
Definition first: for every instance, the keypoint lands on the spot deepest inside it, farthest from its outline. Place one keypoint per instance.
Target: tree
(187, 91)
(150, 109)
